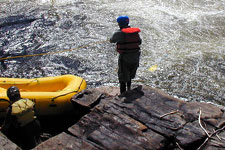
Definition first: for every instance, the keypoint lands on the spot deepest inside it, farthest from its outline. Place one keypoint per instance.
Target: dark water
(184, 40)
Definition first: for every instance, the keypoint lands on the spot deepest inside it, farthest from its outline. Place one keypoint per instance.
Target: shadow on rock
(130, 96)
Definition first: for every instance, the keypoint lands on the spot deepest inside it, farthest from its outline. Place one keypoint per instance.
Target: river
(183, 49)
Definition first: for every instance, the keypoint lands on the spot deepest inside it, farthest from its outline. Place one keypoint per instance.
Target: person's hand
(0, 128)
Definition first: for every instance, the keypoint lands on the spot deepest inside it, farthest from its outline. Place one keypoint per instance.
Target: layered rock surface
(6, 144)
(143, 119)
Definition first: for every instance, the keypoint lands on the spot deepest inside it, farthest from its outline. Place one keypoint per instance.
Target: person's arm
(7, 121)
(113, 38)
(117, 37)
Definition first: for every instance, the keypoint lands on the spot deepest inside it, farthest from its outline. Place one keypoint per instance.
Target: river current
(183, 49)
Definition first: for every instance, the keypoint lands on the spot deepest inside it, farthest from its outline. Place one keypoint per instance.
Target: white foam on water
(54, 2)
(184, 39)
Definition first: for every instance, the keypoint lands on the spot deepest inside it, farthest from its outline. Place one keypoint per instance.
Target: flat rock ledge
(143, 119)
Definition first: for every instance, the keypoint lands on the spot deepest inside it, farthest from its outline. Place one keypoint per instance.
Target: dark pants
(124, 86)
(30, 135)
(128, 64)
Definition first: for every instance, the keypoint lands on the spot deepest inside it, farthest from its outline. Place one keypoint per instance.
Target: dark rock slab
(87, 98)
(15, 20)
(147, 118)
(65, 141)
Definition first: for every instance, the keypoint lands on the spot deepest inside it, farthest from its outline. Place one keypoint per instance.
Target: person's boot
(122, 87)
(129, 85)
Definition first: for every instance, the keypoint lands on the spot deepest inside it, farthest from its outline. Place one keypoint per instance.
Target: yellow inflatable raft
(51, 95)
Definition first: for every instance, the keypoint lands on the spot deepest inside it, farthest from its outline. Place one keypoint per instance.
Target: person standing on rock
(127, 40)
(20, 115)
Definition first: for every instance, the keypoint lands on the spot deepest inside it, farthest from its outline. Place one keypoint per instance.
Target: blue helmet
(123, 20)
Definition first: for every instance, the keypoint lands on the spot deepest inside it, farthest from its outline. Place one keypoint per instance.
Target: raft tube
(52, 95)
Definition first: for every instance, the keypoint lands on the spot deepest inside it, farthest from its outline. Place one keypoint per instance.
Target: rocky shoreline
(143, 119)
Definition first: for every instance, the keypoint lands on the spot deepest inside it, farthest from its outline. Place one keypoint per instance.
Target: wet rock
(15, 20)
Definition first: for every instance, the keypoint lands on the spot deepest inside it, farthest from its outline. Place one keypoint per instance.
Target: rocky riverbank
(143, 119)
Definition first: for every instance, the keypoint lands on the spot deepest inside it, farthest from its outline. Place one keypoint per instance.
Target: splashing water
(182, 50)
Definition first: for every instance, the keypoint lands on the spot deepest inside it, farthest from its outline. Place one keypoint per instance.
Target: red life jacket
(131, 42)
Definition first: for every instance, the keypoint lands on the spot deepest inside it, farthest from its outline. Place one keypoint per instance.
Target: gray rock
(6, 144)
